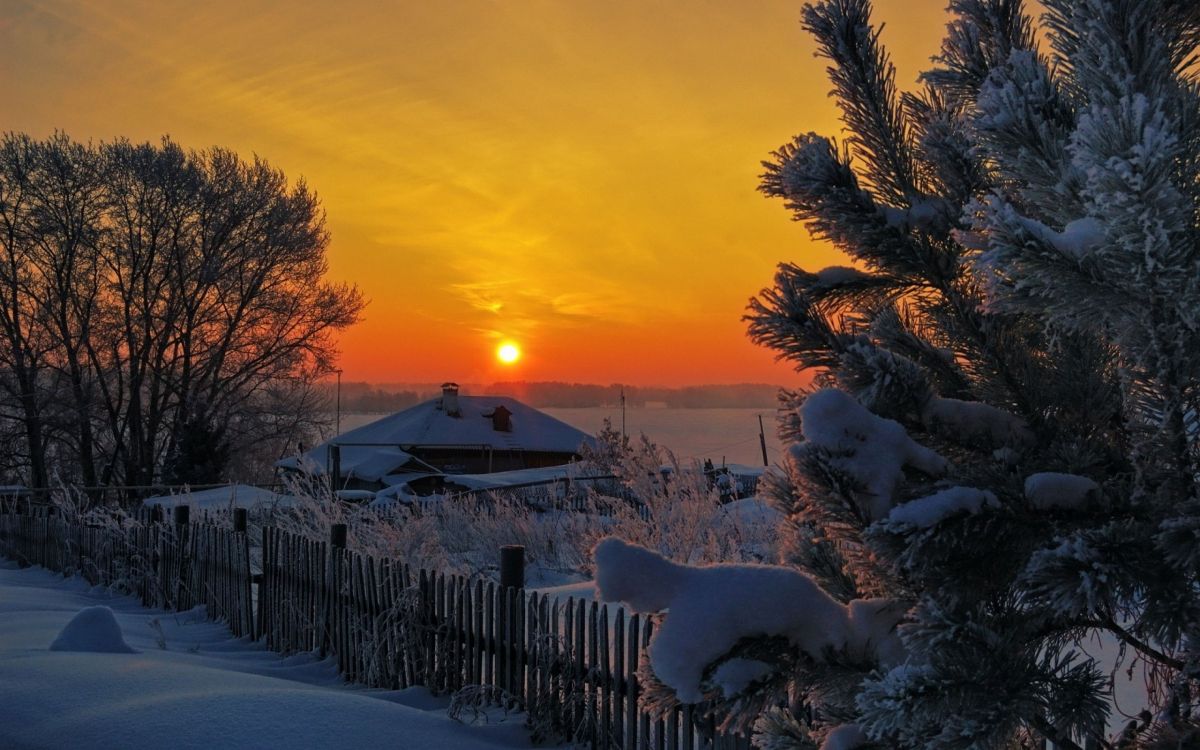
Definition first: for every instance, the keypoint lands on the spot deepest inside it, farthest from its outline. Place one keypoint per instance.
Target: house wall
(470, 461)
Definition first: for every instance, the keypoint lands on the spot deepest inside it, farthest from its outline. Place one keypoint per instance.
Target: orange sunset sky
(575, 176)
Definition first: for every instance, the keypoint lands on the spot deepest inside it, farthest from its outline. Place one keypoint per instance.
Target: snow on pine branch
(925, 512)
(869, 448)
(930, 215)
(710, 609)
(975, 422)
(1074, 241)
(835, 276)
(844, 737)
(1051, 490)
(838, 286)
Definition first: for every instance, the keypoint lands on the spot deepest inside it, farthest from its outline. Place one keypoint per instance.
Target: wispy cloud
(548, 169)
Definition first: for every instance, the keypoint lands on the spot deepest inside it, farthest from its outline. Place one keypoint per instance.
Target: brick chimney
(501, 419)
(450, 400)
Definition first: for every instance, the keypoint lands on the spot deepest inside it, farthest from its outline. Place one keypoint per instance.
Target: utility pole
(622, 411)
(762, 441)
(337, 424)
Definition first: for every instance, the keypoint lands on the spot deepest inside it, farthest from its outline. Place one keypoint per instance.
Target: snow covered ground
(189, 684)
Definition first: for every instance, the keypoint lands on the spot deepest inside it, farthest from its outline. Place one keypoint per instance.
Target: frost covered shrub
(672, 507)
(997, 460)
(459, 535)
(651, 498)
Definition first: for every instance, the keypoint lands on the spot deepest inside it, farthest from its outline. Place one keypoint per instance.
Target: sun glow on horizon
(581, 177)
(508, 353)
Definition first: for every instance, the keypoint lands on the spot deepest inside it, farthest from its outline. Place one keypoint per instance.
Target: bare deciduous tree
(157, 304)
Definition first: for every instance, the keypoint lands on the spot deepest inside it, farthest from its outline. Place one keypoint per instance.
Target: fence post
(239, 560)
(512, 577)
(335, 470)
(512, 566)
(337, 543)
(337, 536)
(182, 581)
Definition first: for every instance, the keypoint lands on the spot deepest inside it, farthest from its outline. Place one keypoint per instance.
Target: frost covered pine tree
(997, 462)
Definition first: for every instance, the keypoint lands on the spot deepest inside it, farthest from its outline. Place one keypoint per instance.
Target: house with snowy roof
(453, 434)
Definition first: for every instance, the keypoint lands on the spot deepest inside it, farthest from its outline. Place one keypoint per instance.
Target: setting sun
(508, 353)
(543, 220)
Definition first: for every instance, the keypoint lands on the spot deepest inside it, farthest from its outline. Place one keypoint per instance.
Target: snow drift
(94, 630)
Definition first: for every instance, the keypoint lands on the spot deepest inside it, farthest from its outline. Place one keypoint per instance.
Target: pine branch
(865, 83)
(820, 187)
(1049, 732)
(979, 38)
(1109, 624)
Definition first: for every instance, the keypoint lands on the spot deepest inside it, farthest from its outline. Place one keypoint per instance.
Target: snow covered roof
(369, 463)
(378, 449)
(237, 495)
(517, 477)
(400, 486)
(744, 470)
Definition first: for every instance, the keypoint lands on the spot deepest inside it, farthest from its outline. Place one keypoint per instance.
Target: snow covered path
(191, 685)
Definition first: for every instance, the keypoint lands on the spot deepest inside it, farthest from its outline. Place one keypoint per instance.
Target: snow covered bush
(452, 535)
(997, 460)
(674, 508)
(651, 498)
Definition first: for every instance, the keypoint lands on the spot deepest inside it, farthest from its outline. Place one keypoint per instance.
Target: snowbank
(749, 512)
(190, 685)
(711, 608)
(94, 630)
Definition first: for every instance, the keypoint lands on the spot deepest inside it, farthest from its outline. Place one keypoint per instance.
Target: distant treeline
(367, 397)
(567, 395)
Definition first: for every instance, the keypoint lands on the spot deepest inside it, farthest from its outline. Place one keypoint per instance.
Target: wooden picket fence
(168, 566)
(571, 665)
